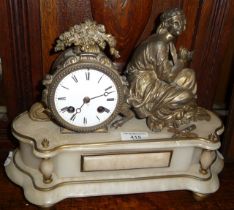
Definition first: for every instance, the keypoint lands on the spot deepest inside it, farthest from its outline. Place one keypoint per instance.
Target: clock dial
(85, 98)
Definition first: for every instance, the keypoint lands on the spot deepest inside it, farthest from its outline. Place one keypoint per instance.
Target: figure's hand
(179, 65)
(185, 54)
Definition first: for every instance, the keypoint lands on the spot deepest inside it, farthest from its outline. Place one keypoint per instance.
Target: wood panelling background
(56, 17)
(29, 29)
(228, 144)
(208, 30)
(9, 83)
(211, 41)
(125, 20)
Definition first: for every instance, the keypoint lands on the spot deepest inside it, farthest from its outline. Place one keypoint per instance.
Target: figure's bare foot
(118, 123)
(154, 125)
(126, 114)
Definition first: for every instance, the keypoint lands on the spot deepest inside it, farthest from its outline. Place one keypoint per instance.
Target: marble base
(68, 166)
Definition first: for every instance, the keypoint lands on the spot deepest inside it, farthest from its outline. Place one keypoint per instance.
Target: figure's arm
(166, 70)
(179, 60)
(177, 67)
(170, 68)
(184, 56)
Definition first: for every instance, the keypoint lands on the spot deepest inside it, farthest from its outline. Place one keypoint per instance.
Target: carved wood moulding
(21, 83)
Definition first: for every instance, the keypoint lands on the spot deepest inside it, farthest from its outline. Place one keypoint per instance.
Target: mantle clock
(82, 139)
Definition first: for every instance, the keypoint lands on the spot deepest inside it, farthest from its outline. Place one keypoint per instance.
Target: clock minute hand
(107, 93)
(96, 96)
(104, 94)
(78, 110)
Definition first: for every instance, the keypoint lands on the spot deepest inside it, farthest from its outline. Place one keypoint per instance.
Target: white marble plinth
(51, 166)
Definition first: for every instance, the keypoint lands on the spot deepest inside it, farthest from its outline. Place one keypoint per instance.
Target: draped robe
(155, 90)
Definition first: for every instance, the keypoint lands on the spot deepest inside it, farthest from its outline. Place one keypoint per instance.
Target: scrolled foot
(38, 112)
(199, 196)
(50, 207)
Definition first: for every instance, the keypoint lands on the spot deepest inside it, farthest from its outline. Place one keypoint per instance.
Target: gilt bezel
(113, 75)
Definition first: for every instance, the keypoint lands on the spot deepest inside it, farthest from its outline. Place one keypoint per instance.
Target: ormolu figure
(162, 89)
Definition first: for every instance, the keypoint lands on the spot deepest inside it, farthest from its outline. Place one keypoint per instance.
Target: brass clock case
(62, 73)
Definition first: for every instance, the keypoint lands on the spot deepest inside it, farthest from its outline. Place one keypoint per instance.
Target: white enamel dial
(85, 98)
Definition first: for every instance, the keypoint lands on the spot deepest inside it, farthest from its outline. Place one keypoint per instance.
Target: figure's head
(174, 21)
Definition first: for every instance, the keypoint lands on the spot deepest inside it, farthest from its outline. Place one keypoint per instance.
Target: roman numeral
(85, 120)
(108, 88)
(110, 99)
(98, 118)
(64, 109)
(106, 110)
(74, 78)
(100, 78)
(65, 87)
(87, 75)
(62, 98)
(73, 117)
